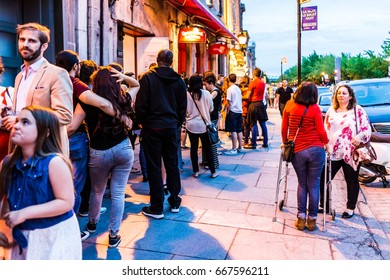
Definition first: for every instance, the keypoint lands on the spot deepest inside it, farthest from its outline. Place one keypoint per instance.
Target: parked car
(374, 96)
(324, 101)
(322, 90)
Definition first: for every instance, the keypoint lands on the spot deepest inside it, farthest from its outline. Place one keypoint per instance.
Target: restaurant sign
(219, 48)
(192, 35)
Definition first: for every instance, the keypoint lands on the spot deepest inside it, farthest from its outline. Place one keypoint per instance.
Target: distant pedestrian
(283, 94)
(234, 115)
(309, 153)
(209, 81)
(43, 223)
(257, 111)
(160, 108)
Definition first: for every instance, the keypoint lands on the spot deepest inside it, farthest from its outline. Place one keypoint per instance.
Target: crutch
(328, 186)
(279, 180)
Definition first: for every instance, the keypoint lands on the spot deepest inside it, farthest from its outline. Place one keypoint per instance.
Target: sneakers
(175, 209)
(311, 224)
(239, 150)
(90, 227)
(196, 174)
(231, 153)
(265, 145)
(85, 214)
(300, 223)
(146, 211)
(214, 175)
(84, 235)
(114, 241)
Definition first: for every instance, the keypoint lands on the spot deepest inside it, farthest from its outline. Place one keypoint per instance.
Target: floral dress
(341, 129)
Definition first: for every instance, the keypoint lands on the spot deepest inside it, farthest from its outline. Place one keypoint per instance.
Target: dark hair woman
(110, 149)
(199, 106)
(309, 153)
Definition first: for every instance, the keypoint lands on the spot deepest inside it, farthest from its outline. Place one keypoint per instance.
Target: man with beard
(39, 82)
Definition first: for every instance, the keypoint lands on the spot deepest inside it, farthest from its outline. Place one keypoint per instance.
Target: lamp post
(282, 61)
(243, 40)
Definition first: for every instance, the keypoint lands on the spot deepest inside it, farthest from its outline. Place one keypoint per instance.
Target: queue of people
(71, 125)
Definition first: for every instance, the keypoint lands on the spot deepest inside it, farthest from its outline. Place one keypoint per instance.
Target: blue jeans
(255, 133)
(308, 166)
(116, 161)
(79, 145)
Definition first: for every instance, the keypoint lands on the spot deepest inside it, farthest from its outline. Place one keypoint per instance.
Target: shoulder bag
(288, 150)
(212, 130)
(363, 153)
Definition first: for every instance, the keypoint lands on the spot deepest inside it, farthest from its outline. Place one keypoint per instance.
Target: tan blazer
(51, 88)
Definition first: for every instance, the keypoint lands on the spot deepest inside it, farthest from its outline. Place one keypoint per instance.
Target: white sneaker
(230, 153)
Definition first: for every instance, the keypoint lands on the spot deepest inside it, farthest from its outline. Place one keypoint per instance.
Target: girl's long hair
(195, 86)
(48, 142)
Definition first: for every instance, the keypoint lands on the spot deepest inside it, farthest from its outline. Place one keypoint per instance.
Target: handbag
(211, 128)
(288, 151)
(364, 152)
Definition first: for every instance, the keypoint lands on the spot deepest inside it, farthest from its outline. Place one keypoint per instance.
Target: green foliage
(361, 66)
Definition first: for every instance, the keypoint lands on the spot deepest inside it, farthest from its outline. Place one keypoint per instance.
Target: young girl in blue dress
(37, 192)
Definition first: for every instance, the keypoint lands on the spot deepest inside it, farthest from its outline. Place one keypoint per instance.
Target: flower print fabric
(341, 129)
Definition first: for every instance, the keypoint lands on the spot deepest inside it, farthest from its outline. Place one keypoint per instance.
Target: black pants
(206, 146)
(351, 178)
(162, 143)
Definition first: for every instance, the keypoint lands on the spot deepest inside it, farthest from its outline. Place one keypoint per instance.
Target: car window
(325, 100)
(372, 94)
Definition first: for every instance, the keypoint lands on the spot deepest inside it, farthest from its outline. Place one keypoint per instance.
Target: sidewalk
(231, 217)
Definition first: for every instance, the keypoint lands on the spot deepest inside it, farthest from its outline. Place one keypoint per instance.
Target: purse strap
(300, 123)
(198, 109)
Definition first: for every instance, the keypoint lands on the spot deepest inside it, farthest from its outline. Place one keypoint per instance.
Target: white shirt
(25, 84)
(194, 121)
(234, 96)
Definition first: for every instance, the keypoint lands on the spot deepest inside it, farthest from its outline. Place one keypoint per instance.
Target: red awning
(195, 9)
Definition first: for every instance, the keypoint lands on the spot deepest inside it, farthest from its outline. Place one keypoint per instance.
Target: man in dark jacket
(160, 108)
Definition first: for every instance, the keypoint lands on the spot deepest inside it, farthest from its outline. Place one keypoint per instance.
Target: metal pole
(281, 70)
(299, 39)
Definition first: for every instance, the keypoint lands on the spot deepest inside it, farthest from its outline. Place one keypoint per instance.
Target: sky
(344, 26)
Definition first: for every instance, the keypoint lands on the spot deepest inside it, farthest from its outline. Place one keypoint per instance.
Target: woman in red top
(309, 153)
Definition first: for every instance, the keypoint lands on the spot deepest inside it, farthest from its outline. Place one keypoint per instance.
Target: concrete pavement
(231, 217)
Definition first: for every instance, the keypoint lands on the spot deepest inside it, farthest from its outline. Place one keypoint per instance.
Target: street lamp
(283, 61)
(243, 40)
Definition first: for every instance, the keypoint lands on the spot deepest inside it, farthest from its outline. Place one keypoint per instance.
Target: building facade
(129, 32)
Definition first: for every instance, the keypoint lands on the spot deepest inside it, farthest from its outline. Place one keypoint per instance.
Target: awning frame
(196, 9)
